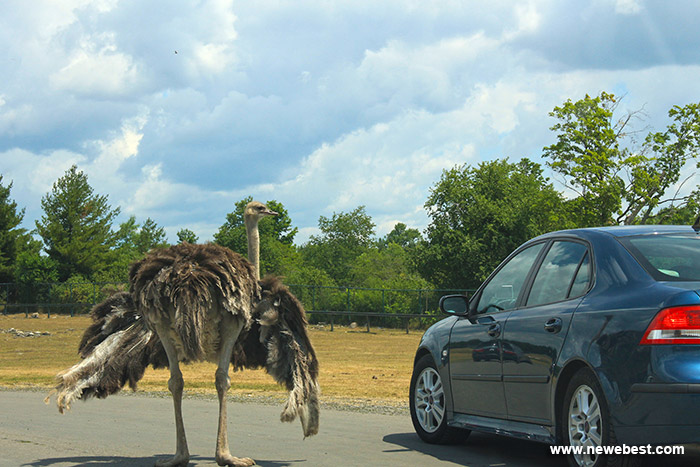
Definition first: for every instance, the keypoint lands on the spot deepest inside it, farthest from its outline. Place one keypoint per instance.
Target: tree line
(612, 173)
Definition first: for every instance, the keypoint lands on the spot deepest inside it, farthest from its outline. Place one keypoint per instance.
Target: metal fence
(328, 305)
(55, 297)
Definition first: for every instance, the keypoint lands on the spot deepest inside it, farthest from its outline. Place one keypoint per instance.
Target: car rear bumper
(660, 414)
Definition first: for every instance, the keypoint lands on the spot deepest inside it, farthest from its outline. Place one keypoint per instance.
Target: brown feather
(183, 282)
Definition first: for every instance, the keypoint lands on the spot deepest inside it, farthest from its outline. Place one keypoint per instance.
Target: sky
(177, 110)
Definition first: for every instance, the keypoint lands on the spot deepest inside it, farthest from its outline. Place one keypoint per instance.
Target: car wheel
(586, 424)
(428, 405)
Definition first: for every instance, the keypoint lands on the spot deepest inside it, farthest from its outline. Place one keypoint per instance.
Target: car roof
(622, 231)
(627, 230)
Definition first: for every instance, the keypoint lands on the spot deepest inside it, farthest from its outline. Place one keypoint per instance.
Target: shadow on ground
(482, 449)
(485, 449)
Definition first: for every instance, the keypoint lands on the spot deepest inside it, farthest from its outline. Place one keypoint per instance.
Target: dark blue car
(587, 337)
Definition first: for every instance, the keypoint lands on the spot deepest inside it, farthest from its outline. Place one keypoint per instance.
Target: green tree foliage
(479, 215)
(344, 237)
(401, 235)
(616, 183)
(186, 235)
(276, 235)
(683, 214)
(12, 237)
(150, 236)
(659, 164)
(588, 155)
(386, 268)
(76, 226)
(33, 267)
(131, 242)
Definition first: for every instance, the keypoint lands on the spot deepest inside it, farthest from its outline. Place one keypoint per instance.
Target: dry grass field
(355, 364)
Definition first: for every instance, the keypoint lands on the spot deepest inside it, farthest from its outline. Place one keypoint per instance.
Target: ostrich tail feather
(290, 357)
(115, 349)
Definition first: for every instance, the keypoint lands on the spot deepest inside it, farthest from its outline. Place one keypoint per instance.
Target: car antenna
(696, 226)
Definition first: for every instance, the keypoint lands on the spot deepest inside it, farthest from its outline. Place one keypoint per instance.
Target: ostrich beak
(270, 213)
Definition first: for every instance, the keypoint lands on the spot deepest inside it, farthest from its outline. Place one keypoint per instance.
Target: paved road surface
(137, 430)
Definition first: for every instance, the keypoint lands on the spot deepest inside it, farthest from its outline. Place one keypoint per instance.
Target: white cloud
(97, 68)
(528, 20)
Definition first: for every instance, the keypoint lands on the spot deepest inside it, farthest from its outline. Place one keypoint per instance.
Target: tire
(586, 422)
(428, 405)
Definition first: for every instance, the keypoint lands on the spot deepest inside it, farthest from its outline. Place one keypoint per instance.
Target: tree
(479, 215)
(12, 237)
(276, 235)
(186, 235)
(614, 181)
(131, 242)
(344, 237)
(588, 155)
(76, 226)
(683, 214)
(401, 235)
(150, 236)
(659, 164)
(32, 267)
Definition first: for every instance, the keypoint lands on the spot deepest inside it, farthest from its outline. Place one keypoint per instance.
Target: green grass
(354, 364)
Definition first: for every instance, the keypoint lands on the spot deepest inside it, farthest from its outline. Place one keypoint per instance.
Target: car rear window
(673, 257)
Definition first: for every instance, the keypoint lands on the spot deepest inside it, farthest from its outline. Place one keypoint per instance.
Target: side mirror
(454, 305)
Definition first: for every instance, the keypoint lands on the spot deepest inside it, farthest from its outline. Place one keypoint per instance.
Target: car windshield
(674, 257)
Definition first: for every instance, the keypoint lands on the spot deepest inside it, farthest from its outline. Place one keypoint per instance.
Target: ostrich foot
(180, 460)
(228, 459)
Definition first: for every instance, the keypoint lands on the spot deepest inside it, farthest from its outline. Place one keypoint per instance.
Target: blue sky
(176, 110)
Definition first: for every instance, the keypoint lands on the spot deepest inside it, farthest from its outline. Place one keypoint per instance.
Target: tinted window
(555, 276)
(582, 279)
(667, 257)
(501, 293)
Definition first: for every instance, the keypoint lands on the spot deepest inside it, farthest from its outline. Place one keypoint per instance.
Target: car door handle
(553, 325)
(494, 330)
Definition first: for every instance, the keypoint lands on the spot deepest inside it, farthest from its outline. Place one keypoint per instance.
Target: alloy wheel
(429, 400)
(585, 425)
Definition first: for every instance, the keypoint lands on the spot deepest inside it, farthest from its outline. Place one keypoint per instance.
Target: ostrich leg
(230, 329)
(175, 384)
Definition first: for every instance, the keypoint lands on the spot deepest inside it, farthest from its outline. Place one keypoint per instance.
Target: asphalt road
(138, 430)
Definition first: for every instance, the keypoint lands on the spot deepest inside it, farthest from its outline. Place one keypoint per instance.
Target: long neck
(251, 227)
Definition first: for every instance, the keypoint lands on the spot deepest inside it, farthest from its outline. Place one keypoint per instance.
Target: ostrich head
(254, 211)
(284, 349)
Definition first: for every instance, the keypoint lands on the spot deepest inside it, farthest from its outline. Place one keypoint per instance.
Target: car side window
(501, 292)
(582, 279)
(553, 282)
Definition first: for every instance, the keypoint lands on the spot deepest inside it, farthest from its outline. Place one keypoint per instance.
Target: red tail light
(677, 325)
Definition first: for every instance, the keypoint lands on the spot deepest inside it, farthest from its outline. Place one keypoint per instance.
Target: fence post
(26, 300)
(313, 298)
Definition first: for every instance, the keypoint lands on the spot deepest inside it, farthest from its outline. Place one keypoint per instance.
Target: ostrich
(191, 303)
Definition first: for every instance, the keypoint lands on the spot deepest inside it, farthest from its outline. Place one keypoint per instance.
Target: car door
(475, 341)
(534, 333)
